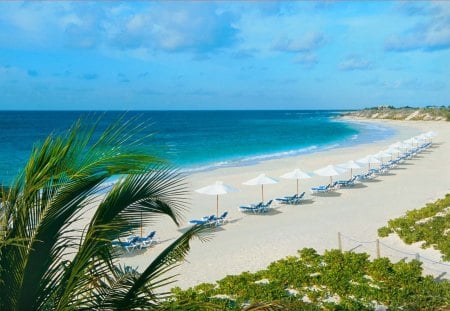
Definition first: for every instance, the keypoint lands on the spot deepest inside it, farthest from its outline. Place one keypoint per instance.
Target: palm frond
(148, 280)
(47, 261)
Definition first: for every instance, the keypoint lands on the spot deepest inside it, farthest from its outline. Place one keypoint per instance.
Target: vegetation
(53, 256)
(429, 225)
(333, 281)
(403, 113)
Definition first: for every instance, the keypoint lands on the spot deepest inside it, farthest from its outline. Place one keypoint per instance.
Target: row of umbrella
(219, 188)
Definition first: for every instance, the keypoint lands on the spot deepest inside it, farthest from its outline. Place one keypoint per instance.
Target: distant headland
(429, 113)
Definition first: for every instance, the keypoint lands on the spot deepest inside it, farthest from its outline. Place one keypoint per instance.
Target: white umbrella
(383, 154)
(262, 180)
(350, 165)
(395, 145)
(431, 134)
(393, 150)
(296, 174)
(368, 160)
(411, 141)
(405, 146)
(216, 189)
(330, 170)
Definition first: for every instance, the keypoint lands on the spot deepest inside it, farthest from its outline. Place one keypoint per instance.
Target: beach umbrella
(383, 154)
(395, 145)
(217, 189)
(262, 180)
(296, 174)
(405, 146)
(330, 170)
(396, 148)
(422, 138)
(393, 150)
(368, 160)
(412, 141)
(350, 165)
(430, 135)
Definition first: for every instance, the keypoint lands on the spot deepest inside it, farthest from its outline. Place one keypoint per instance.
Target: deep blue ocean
(197, 140)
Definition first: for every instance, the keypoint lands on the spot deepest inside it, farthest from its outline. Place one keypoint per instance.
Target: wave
(255, 159)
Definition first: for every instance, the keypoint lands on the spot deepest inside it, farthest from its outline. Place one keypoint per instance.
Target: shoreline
(250, 160)
(251, 242)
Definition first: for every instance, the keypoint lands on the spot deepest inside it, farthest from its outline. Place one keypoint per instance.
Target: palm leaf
(48, 261)
(150, 279)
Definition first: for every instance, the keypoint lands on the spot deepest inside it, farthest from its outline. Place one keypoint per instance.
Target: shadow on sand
(327, 194)
(355, 186)
(371, 181)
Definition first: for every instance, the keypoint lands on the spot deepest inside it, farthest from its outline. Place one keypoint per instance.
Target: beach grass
(429, 226)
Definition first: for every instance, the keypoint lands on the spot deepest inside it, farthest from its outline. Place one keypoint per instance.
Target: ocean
(197, 140)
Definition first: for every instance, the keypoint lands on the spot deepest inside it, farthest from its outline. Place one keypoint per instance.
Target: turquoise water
(197, 140)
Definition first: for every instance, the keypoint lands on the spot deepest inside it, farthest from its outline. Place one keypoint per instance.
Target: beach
(251, 242)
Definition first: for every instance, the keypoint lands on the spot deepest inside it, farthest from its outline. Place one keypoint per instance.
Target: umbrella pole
(351, 173)
(297, 186)
(331, 180)
(262, 193)
(141, 224)
(217, 205)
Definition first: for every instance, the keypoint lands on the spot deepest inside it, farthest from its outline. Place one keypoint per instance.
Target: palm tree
(48, 261)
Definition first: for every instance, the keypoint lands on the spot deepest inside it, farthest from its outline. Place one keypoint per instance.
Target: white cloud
(432, 33)
(306, 42)
(308, 60)
(355, 62)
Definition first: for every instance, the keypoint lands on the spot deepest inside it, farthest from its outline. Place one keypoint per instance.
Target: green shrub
(384, 231)
(428, 225)
(357, 282)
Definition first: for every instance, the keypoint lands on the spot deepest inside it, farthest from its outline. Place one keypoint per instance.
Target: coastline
(251, 242)
(368, 133)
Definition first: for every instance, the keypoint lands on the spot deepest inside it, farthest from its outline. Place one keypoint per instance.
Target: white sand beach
(251, 242)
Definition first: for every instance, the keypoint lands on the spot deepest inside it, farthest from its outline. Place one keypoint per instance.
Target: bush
(334, 281)
(429, 225)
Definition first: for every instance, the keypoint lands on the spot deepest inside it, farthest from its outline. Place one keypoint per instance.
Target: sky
(154, 55)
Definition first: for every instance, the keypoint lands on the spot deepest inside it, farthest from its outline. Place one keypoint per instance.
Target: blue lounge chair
(222, 219)
(205, 220)
(324, 189)
(256, 208)
(367, 176)
(148, 240)
(347, 183)
(292, 200)
(131, 244)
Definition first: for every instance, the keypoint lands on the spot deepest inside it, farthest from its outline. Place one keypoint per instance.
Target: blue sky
(223, 55)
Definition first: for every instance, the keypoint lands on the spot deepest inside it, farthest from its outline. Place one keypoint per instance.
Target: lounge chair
(131, 244)
(367, 176)
(292, 200)
(321, 189)
(255, 208)
(148, 240)
(204, 220)
(222, 219)
(379, 171)
(324, 189)
(347, 183)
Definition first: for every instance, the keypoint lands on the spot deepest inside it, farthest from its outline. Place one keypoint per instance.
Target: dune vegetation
(441, 113)
(429, 225)
(309, 281)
